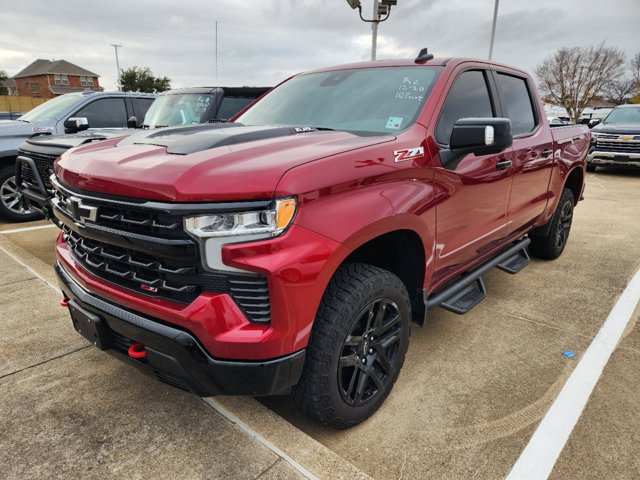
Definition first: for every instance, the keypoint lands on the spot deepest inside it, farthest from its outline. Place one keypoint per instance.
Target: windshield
(180, 109)
(51, 110)
(381, 100)
(627, 115)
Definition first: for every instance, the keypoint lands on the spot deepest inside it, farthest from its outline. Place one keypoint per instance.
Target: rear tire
(11, 207)
(357, 347)
(552, 245)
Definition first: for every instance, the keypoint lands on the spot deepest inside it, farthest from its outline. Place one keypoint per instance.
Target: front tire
(11, 206)
(551, 245)
(357, 346)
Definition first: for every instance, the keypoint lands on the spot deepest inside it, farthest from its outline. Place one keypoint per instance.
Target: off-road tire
(347, 305)
(552, 245)
(8, 210)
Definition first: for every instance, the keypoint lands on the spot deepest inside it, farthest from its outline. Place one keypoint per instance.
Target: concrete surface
(72, 411)
(470, 395)
(474, 387)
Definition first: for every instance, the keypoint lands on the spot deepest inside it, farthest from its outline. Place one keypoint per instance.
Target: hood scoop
(188, 140)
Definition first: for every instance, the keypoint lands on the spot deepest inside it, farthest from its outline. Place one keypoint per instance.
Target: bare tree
(635, 69)
(573, 77)
(620, 91)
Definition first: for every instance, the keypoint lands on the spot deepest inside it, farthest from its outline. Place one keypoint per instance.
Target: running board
(467, 298)
(515, 263)
(469, 290)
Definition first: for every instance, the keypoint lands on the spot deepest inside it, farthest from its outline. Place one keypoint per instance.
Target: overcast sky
(261, 42)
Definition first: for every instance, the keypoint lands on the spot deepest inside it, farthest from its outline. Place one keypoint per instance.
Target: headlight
(216, 230)
(262, 223)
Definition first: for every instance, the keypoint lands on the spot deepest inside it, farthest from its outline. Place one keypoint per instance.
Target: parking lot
(472, 391)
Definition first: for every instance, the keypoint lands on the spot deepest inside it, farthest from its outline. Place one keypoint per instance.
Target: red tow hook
(137, 350)
(64, 302)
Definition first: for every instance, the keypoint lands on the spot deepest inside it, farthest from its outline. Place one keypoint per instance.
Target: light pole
(493, 28)
(381, 8)
(116, 46)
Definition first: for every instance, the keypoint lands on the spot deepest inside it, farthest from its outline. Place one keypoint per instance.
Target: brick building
(48, 79)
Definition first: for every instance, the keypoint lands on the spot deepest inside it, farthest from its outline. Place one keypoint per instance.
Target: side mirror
(76, 124)
(594, 122)
(132, 122)
(480, 136)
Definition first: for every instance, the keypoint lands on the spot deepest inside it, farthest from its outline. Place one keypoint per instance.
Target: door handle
(502, 164)
(547, 153)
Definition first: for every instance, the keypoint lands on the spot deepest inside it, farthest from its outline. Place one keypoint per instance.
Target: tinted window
(105, 113)
(232, 105)
(516, 103)
(140, 107)
(468, 98)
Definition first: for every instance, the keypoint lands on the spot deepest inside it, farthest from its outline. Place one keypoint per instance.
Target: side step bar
(469, 290)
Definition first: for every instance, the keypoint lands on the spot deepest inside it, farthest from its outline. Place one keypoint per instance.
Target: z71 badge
(408, 154)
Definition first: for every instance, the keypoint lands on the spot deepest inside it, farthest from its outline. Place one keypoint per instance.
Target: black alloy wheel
(369, 352)
(357, 346)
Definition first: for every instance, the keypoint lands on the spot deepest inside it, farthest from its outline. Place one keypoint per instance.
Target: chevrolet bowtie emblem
(626, 138)
(80, 212)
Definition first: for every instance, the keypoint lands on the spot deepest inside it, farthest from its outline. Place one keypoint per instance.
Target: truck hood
(617, 128)
(14, 128)
(202, 163)
(76, 139)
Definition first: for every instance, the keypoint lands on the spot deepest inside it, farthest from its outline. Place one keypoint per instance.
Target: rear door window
(105, 113)
(468, 98)
(516, 103)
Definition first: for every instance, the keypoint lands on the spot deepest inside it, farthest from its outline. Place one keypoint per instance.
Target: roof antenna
(424, 56)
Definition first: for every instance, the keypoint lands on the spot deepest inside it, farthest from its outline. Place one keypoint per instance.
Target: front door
(471, 215)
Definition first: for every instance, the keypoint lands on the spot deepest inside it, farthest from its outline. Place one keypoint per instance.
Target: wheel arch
(575, 182)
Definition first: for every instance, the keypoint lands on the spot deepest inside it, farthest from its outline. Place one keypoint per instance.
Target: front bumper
(618, 159)
(175, 356)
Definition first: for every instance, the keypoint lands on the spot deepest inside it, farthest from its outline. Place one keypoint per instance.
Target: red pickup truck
(290, 251)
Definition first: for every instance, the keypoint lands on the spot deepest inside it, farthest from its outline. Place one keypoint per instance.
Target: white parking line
(27, 229)
(541, 453)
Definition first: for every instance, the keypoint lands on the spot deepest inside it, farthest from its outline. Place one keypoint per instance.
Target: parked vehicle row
(67, 113)
(615, 142)
(95, 120)
(290, 250)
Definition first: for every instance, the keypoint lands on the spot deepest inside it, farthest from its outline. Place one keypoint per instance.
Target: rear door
(532, 154)
(472, 212)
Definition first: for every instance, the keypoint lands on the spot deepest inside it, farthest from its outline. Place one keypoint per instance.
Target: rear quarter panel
(570, 146)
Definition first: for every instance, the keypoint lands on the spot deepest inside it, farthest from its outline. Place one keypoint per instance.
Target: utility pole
(381, 8)
(116, 46)
(374, 31)
(493, 28)
(216, 53)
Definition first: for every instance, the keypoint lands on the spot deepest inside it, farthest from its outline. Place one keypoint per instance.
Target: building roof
(43, 66)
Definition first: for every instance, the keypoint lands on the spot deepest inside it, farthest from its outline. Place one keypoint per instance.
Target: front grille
(44, 165)
(141, 272)
(147, 251)
(632, 146)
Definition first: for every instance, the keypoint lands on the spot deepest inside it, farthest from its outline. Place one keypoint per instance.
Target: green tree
(136, 79)
(3, 78)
